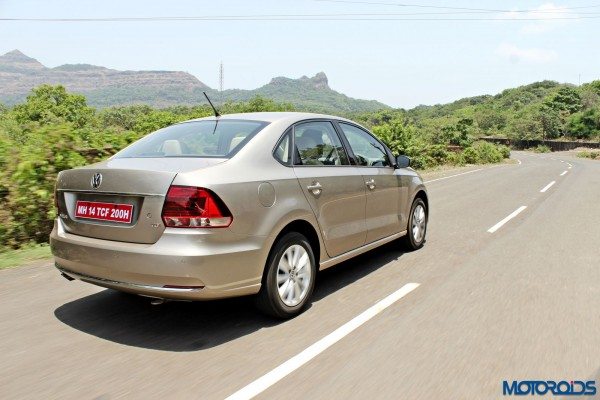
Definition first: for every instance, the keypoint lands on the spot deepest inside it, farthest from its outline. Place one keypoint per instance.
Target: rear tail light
(193, 207)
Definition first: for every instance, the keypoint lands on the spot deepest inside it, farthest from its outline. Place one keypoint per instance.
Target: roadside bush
(5, 152)
(429, 151)
(542, 148)
(456, 159)
(425, 156)
(593, 155)
(504, 150)
(31, 181)
(483, 153)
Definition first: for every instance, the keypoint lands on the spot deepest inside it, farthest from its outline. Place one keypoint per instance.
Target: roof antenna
(217, 115)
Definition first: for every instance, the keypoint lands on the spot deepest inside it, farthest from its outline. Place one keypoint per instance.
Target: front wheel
(289, 278)
(417, 225)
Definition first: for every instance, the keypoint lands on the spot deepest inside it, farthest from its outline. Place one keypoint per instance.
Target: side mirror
(402, 161)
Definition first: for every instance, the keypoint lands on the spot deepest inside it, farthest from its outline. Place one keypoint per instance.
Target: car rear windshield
(195, 139)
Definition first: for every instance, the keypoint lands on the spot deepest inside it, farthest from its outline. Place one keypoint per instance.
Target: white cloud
(549, 15)
(516, 54)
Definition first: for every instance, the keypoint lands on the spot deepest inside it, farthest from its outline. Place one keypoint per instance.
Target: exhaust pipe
(157, 302)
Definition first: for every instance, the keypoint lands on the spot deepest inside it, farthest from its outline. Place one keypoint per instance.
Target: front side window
(367, 150)
(195, 139)
(317, 143)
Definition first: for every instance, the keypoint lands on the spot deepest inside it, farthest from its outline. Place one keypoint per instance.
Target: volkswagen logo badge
(96, 180)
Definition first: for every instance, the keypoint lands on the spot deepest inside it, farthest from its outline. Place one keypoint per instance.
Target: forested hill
(104, 87)
(539, 110)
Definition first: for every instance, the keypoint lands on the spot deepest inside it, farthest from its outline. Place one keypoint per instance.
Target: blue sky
(401, 63)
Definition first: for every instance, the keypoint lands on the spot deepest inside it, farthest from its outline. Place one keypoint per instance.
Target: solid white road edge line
(280, 372)
(548, 186)
(564, 172)
(519, 161)
(505, 220)
(452, 176)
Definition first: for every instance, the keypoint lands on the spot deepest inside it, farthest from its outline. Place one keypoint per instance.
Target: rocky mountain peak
(319, 81)
(17, 59)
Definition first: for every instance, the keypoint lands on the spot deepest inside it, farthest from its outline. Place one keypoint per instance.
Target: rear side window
(195, 139)
(283, 149)
(367, 150)
(317, 143)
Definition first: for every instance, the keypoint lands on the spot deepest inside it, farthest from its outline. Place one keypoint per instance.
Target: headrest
(304, 142)
(314, 134)
(235, 141)
(171, 147)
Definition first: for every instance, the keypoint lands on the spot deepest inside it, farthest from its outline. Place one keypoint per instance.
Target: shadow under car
(191, 326)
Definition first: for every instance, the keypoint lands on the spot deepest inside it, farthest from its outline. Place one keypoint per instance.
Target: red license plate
(113, 212)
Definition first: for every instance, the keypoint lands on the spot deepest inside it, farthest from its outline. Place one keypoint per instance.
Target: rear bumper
(148, 290)
(193, 264)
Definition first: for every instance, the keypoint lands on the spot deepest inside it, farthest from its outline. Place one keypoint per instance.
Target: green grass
(594, 155)
(13, 258)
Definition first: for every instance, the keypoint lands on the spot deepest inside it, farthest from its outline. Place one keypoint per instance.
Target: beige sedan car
(242, 204)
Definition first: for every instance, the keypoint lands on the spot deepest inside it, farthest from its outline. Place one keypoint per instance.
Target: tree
(123, 117)
(52, 104)
(566, 99)
(550, 121)
(490, 120)
(584, 125)
(397, 135)
(458, 134)
(564, 103)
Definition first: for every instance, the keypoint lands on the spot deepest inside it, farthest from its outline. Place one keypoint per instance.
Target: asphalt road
(519, 303)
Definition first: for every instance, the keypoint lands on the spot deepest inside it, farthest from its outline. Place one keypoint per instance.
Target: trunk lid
(138, 182)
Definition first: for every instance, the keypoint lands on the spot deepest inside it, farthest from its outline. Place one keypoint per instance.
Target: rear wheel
(417, 225)
(290, 277)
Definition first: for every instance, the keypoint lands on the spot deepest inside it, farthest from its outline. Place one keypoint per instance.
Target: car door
(385, 191)
(334, 188)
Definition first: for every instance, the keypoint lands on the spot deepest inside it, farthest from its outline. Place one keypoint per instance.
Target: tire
(286, 294)
(417, 226)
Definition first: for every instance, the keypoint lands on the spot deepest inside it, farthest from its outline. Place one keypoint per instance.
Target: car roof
(287, 116)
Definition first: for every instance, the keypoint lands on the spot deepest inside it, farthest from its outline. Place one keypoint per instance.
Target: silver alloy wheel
(294, 274)
(419, 221)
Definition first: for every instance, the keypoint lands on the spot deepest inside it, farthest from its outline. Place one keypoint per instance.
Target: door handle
(370, 184)
(315, 188)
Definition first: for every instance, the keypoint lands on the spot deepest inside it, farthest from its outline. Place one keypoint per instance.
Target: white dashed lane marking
(548, 186)
(505, 220)
(280, 372)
